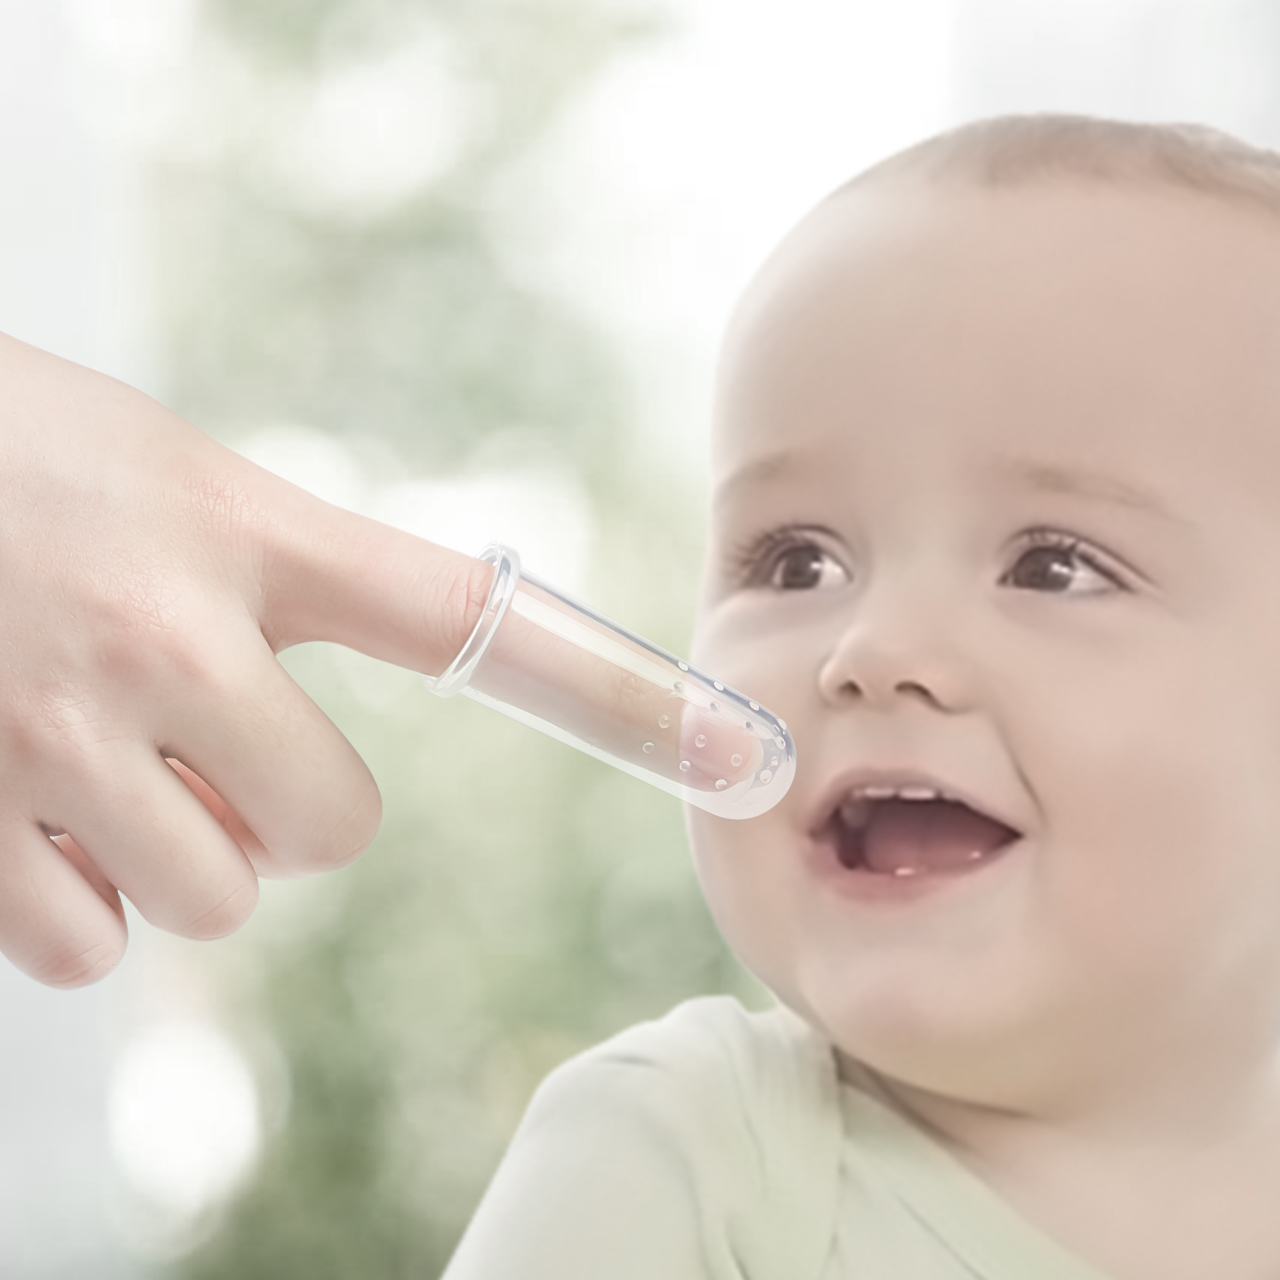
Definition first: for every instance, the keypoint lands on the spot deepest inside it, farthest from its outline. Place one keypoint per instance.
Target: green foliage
(399, 322)
(522, 901)
(406, 330)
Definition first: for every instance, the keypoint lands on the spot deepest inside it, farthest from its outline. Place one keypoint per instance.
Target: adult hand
(150, 743)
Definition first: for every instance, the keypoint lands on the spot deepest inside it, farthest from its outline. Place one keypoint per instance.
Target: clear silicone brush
(552, 663)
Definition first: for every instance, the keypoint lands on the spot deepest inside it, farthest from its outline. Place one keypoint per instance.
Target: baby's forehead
(908, 240)
(1133, 324)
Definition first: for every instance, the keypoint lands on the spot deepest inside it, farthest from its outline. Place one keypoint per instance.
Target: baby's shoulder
(741, 1107)
(704, 1145)
(713, 1050)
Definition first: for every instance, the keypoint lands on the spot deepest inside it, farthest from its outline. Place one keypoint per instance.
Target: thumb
(329, 574)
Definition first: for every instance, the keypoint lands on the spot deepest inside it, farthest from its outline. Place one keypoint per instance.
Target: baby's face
(997, 498)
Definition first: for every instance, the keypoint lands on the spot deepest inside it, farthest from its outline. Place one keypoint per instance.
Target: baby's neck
(1178, 1184)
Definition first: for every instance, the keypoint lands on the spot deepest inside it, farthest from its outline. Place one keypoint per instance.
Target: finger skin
(93, 877)
(151, 838)
(230, 821)
(278, 763)
(332, 575)
(54, 925)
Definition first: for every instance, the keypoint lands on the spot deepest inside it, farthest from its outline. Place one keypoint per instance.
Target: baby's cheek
(707, 839)
(739, 883)
(771, 649)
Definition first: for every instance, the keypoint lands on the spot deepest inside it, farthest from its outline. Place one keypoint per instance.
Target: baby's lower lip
(862, 884)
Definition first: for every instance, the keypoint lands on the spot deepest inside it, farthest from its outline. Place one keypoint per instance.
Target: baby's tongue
(912, 836)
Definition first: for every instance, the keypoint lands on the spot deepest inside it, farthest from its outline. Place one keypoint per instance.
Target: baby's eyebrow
(1086, 484)
(1027, 472)
(771, 466)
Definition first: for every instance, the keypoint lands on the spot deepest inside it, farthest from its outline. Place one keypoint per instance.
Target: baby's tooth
(917, 793)
(877, 793)
(855, 812)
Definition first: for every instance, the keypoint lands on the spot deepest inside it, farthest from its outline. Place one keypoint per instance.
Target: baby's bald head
(1013, 150)
(1113, 191)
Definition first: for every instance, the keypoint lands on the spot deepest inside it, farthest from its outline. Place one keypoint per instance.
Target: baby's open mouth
(901, 837)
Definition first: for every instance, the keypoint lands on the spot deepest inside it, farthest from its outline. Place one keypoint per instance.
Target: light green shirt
(717, 1144)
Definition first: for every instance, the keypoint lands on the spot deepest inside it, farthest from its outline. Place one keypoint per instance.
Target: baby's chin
(967, 1057)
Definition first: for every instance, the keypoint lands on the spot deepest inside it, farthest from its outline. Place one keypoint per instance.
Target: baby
(996, 517)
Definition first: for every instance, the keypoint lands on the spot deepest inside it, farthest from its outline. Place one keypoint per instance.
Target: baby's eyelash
(1070, 546)
(747, 561)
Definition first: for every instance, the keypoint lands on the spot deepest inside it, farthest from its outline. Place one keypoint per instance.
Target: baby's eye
(1053, 560)
(797, 566)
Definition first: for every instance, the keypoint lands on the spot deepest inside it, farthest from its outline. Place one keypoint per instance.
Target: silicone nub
(554, 664)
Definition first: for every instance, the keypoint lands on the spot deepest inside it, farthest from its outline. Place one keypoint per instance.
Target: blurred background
(460, 265)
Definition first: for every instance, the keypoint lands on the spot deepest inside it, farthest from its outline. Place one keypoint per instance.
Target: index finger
(330, 574)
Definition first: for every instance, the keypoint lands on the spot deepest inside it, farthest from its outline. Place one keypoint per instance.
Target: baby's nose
(885, 648)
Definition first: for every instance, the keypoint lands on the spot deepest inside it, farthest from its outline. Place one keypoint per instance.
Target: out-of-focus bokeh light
(183, 1116)
(371, 132)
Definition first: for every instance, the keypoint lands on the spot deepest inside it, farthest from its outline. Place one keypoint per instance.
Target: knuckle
(348, 828)
(322, 833)
(629, 692)
(71, 964)
(123, 597)
(226, 915)
(194, 662)
(474, 590)
(132, 603)
(224, 503)
(60, 724)
(463, 596)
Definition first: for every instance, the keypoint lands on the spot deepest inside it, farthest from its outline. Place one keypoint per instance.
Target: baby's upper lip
(889, 775)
